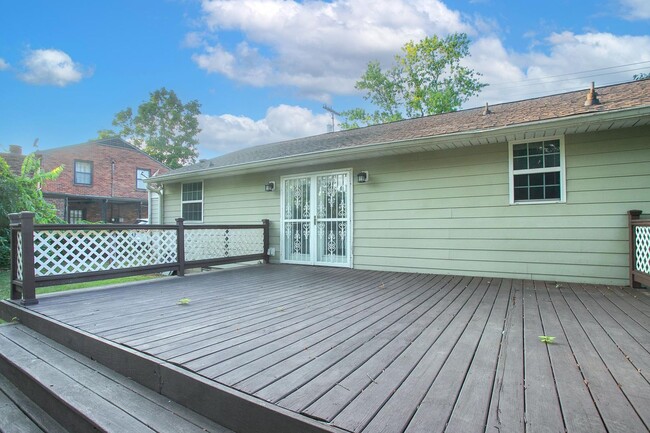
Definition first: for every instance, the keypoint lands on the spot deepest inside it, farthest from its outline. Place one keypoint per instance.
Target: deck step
(18, 414)
(84, 396)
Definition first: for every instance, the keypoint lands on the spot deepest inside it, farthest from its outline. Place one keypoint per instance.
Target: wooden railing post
(29, 276)
(633, 215)
(266, 224)
(180, 247)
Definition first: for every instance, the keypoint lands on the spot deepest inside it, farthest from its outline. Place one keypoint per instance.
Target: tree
(23, 193)
(164, 128)
(427, 78)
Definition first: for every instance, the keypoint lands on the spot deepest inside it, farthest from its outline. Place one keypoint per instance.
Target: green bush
(23, 193)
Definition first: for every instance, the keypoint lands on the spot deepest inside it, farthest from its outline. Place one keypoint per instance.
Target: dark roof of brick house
(111, 142)
(612, 98)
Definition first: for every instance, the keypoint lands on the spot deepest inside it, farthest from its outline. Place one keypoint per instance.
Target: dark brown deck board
(377, 352)
(347, 325)
(209, 344)
(403, 384)
(304, 325)
(352, 336)
(185, 340)
(545, 414)
(615, 410)
(629, 306)
(506, 413)
(219, 321)
(307, 384)
(301, 369)
(470, 412)
(637, 389)
(622, 330)
(577, 404)
(435, 410)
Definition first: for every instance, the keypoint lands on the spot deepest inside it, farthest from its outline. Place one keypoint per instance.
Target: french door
(316, 219)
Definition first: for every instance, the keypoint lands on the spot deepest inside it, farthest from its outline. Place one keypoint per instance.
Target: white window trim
(194, 201)
(511, 171)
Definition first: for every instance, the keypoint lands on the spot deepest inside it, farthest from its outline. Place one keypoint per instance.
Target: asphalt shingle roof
(616, 97)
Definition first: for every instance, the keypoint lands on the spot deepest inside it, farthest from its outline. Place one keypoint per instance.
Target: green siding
(449, 211)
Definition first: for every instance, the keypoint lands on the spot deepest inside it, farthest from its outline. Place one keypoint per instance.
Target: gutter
(371, 149)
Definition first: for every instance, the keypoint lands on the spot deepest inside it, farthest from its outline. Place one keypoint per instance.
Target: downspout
(112, 175)
(161, 212)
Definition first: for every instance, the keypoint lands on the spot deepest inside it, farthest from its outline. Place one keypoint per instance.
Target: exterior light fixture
(362, 177)
(269, 187)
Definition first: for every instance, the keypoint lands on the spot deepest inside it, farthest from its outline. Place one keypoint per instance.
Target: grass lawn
(4, 284)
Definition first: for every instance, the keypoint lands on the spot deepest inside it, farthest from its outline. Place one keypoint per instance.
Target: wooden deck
(367, 351)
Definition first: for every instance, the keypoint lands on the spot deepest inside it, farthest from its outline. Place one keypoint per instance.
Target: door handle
(314, 219)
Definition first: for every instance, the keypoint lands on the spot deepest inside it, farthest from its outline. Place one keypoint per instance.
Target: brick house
(102, 180)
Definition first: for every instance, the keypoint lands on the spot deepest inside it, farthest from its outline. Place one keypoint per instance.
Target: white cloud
(569, 62)
(318, 47)
(226, 133)
(3, 64)
(51, 67)
(321, 48)
(636, 9)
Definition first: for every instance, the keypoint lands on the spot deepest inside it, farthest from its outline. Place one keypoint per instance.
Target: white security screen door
(316, 219)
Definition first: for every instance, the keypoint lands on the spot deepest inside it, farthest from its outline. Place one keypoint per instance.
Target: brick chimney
(14, 149)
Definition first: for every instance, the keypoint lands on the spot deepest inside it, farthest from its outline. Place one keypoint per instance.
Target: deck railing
(639, 249)
(50, 254)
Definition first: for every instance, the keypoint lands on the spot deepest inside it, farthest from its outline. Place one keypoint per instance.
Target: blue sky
(263, 69)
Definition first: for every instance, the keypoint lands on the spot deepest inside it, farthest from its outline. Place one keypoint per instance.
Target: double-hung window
(140, 175)
(192, 201)
(537, 172)
(83, 172)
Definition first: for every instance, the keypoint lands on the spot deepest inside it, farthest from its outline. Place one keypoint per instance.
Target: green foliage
(184, 301)
(546, 339)
(106, 133)
(425, 79)
(23, 193)
(163, 127)
(641, 76)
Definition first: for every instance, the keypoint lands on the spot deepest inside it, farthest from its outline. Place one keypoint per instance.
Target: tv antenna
(332, 113)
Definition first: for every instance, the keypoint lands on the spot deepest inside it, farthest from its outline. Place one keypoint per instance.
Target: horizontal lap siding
(448, 212)
(233, 200)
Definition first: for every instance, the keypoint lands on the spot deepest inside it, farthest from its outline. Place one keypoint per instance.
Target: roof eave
(443, 141)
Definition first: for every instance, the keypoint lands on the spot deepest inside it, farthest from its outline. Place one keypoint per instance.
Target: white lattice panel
(202, 244)
(58, 252)
(642, 234)
(244, 242)
(205, 244)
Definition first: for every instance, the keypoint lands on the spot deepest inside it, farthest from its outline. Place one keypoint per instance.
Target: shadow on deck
(279, 348)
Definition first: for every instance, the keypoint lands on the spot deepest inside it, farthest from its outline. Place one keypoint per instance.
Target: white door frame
(313, 260)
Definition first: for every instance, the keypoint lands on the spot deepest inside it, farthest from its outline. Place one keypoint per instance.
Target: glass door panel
(332, 219)
(297, 220)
